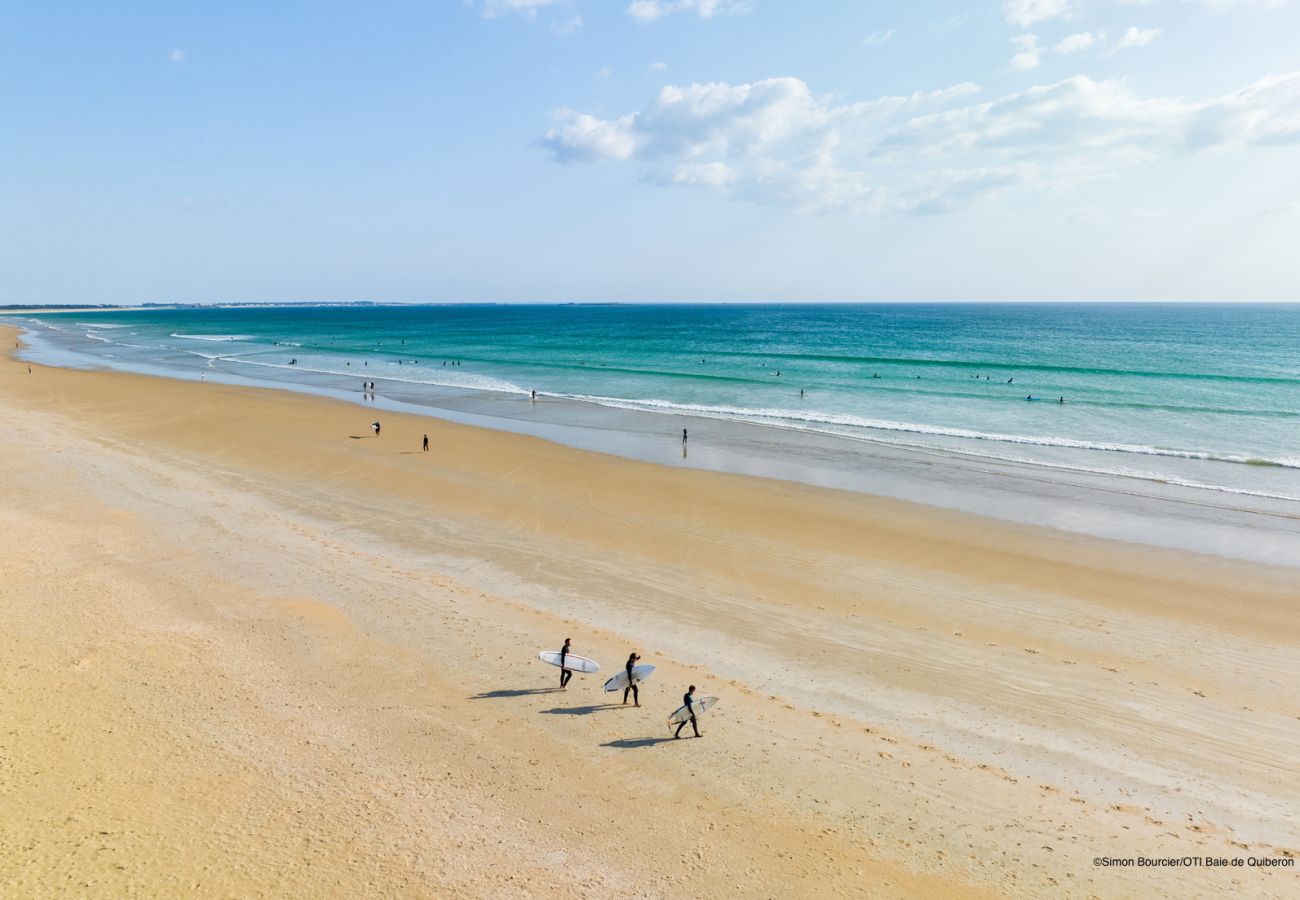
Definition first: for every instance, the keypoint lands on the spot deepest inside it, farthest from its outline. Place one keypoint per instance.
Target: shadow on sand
(634, 743)
(519, 692)
(581, 710)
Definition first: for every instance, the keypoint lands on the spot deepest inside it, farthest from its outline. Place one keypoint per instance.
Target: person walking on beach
(565, 674)
(631, 685)
(688, 700)
(375, 426)
(426, 443)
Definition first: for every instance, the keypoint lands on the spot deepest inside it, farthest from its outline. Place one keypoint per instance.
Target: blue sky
(757, 150)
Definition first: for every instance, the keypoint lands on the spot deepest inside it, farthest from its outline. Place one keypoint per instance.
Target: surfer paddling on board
(631, 681)
(565, 674)
(688, 700)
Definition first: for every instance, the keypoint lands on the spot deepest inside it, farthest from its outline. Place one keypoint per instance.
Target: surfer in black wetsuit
(688, 700)
(631, 685)
(565, 674)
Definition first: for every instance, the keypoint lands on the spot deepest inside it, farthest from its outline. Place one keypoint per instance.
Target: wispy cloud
(1133, 37)
(646, 11)
(492, 9)
(1075, 42)
(567, 26)
(876, 38)
(177, 55)
(778, 143)
(1023, 13)
(1028, 54)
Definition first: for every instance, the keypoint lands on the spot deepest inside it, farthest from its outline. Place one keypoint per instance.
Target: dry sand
(250, 650)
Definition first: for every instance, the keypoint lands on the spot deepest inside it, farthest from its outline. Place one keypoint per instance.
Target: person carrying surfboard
(565, 674)
(631, 681)
(688, 700)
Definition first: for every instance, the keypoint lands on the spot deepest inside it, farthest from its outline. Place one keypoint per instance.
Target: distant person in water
(688, 700)
(426, 443)
(1062, 400)
(631, 685)
(534, 395)
(683, 436)
(801, 393)
(565, 674)
(375, 426)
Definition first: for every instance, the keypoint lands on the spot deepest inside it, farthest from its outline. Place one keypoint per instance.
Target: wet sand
(251, 649)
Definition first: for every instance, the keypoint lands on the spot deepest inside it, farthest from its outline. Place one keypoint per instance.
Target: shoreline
(916, 701)
(1156, 511)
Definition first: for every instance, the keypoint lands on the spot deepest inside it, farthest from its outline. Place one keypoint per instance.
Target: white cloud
(876, 38)
(645, 11)
(1023, 13)
(604, 72)
(778, 143)
(1076, 42)
(1134, 37)
(658, 66)
(1029, 54)
(177, 55)
(493, 9)
(568, 26)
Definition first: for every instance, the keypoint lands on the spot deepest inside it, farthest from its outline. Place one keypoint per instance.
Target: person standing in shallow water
(631, 685)
(688, 700)
(683, 436)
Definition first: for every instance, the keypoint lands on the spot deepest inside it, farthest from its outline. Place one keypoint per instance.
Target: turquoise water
(1202, 396)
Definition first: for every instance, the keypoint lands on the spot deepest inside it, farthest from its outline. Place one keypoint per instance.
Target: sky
(649, 150)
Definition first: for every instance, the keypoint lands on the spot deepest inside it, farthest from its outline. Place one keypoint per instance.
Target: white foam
(792, 419)
(215, 337)
(464, 380)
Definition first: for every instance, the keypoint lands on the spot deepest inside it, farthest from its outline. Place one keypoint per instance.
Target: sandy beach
(253, 650)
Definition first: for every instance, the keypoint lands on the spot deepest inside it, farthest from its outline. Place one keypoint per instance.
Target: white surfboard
(571, 662)
(639, 674)
(701, 704)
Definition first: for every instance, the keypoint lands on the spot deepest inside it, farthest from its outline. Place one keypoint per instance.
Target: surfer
(688, 700)
(631, 684)
(565, 674)
(426, 443)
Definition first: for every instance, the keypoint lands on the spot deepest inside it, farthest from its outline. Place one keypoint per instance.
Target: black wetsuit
(631, 686)
(565, 674)
(689, 703)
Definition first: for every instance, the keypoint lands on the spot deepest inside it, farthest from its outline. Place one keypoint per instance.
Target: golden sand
(251, 650)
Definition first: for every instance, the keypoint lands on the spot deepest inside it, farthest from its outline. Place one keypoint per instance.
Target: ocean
(1195, 404)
